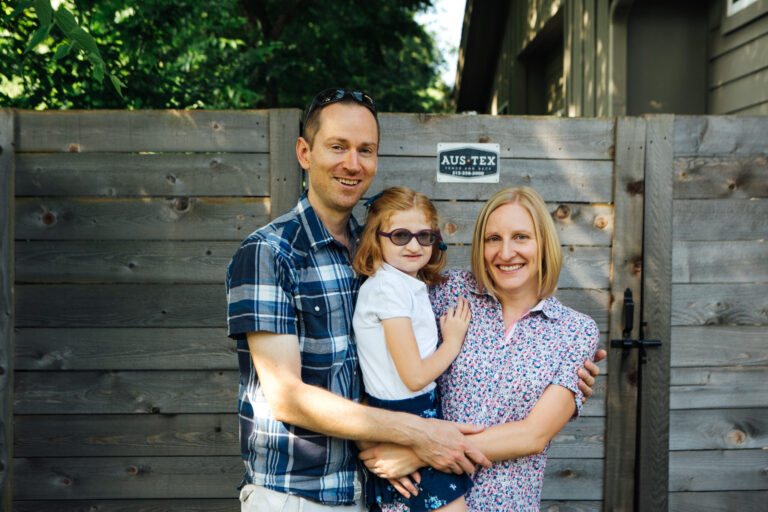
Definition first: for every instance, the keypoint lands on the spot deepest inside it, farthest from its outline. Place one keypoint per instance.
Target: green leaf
(117, 84)
(44, 11)
(40, 34)
(62, 50)
(22, 6)
(85, 40)
(65, 20)
(99, 68)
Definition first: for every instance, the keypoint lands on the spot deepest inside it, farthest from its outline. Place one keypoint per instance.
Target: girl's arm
(414, 371)
(499, 442)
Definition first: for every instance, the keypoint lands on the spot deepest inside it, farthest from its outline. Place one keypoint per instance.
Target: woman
(517, 371)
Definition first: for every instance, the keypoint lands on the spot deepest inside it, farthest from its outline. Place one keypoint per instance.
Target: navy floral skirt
(436, 489)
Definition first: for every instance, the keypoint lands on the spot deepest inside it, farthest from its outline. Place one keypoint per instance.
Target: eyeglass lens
(403, 237)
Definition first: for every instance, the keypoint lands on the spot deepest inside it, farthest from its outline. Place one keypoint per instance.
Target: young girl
(396, 333)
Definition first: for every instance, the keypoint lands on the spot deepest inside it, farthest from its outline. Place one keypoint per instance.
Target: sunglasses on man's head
(329, 96)
(402, 236)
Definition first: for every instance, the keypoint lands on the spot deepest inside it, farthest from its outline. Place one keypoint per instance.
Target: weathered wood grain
(118, 261)
(720, 262)
(724, 387)
(144, 175)
(179, 218)
(583, 267)
(720, 304)
(720, 219)
(717, 501)
(720, 135)
(570, 506)
(126, 305)
(124, 435)
(124, 392)
(737, 470)
(721, 177)
(577, 224)
(198, 348)
(556, 180)
(715, 429)
(653, 411)
(715, 345)
(7, 320)
(73, 131)
(518, 137)
(132, 505)
(573, 479)
(284, 170)
(86, 478)
(626, 262)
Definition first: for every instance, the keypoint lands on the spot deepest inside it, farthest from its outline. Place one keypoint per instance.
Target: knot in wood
(450, 228)
(73, 148)
(216, 127)
(48, 218)
(563, 211)
(636, 187)
(132, 470)
(484, 139)
(737, 436)
(171, 178)
(601, 222)
(567, 473)
(181, 204)
(66, 481)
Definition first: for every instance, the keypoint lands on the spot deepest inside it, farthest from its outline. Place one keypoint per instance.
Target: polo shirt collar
(318, 234)
(410, 282)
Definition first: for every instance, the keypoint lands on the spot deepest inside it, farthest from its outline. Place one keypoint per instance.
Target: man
(291, 293)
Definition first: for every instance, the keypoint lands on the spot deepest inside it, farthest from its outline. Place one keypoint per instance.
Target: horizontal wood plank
(144, 175)
(721, 43)
(720, 219)
(123, 435)
(718, 345)
(717, 501)
(721, 177)
(181, 218)
(716, 429)
(204, 131)
(118, 261)
(107, 348)
(131, 505)
(83, 478)
(720, 304)
(518, 137)
(154, 392)
(720, 262)
(123, 392)
(720, 135)
(737, 470)
(573, 479)
(738, 94)
(570, 506)
(583, 181)
(577, 224)
(127, 305)
(725, 387)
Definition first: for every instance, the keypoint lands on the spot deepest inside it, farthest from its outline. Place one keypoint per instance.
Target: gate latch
(626, 342)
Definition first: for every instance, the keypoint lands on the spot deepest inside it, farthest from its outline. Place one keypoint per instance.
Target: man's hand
(588, 373)
(444, 447)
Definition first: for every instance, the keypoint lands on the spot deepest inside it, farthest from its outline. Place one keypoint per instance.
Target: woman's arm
(531, 435)
(414, 371)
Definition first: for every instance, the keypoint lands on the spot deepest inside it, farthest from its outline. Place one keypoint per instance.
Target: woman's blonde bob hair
(397, 199)
(549, 256)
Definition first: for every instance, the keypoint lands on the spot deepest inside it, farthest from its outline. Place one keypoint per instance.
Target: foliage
(226, 54)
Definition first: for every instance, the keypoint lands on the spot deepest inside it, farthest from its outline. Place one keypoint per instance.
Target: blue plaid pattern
(292, 277)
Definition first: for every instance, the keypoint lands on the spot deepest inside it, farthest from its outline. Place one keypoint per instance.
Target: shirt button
(317, 308)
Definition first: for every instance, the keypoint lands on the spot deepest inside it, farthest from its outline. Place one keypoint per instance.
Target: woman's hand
(390, 461)
(454, 324)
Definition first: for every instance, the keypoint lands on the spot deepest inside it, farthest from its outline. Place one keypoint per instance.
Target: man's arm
(277, 360)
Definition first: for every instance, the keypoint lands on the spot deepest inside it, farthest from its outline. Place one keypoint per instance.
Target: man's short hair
(330, 96)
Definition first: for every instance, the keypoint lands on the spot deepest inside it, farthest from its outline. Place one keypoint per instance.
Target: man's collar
(318, 234)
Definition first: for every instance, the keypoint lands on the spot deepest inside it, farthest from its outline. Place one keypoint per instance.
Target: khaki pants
(254, 498)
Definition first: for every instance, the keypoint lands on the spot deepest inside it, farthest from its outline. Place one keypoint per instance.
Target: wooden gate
(119, 384)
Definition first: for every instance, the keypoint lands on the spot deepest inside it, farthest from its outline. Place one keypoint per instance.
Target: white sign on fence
(467, 162)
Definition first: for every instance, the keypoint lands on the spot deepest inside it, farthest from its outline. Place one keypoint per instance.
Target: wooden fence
(120, 386)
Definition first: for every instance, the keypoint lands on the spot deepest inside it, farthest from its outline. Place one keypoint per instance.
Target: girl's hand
(454, 324)
(405, 485)
(390, 461)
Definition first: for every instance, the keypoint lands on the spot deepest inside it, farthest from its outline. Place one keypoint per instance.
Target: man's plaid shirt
(293, 277)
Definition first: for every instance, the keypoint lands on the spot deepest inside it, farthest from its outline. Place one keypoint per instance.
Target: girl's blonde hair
(549, 256)
(397, 199)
